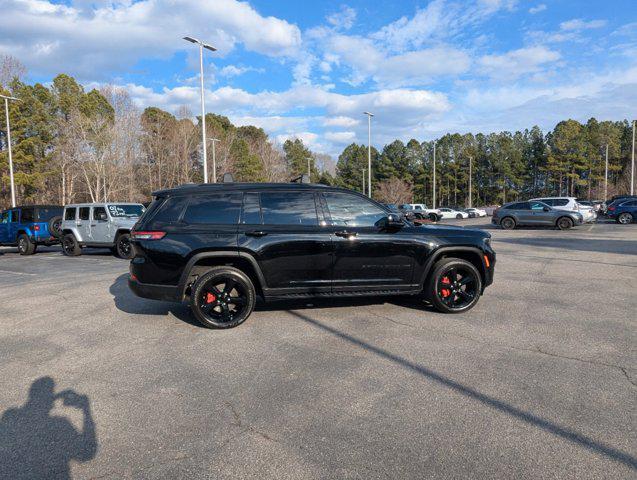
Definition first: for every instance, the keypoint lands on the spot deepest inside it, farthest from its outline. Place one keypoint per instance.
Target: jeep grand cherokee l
(221, 245)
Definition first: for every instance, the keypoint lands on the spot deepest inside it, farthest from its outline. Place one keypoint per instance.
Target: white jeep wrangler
(101, 225)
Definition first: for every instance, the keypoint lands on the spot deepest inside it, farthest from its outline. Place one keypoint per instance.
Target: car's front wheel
(223, 297)
(433, 217)
(70, 246)
(507, 223)
(454, 286)
(25, 245)
(625, 218)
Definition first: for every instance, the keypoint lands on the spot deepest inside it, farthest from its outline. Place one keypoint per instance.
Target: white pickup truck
(420, 208)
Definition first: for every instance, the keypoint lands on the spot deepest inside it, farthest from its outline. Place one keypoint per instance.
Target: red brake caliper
(445, 292)
(210, 297)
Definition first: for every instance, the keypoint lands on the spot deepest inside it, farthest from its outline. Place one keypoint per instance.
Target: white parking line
(18, 273)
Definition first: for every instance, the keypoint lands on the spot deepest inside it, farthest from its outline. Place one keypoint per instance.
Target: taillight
(611, 208)
(36, 228)
(148, 235)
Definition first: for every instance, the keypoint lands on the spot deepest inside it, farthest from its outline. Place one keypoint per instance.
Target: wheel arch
(202, 262)
(471, 254)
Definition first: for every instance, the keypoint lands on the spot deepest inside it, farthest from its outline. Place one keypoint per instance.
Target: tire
(450, 295)
(124, 247)
(25, 245)
(433, 217)
(209, 301)
(55, 227)
(70, 246)
(418, 216)
(625, 218)
(507, 223)
(564, 223)
(459, 216)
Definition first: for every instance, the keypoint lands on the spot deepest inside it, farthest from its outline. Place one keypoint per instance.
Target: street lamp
(369, 153)
(214, 159)
(632, 163)
(6, 111)
(202, 45)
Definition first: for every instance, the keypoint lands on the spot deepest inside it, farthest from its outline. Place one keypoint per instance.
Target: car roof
(234, 186)
(99, 204)
(554, 198)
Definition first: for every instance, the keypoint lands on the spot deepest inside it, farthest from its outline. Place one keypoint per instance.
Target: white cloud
(234, 70)
(516, 63)
(577, 24)
(340, 122)
(422, 66)
(340, 137)
(537, 9)
(112, 36)
(343, 19)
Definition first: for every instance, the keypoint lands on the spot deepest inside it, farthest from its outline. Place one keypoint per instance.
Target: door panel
(100, 229)
(282, 231)
(366, 255)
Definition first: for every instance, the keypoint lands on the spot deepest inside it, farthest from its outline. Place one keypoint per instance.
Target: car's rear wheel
(625, 218)
(55, 227)
(124, 247)
(564, 223)
(224, 297)
(433, 217)
(507, 223)
(70, 246)
(454, 286)
(459, 215)
(25, 245)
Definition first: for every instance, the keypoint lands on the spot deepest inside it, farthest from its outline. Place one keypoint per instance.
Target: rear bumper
(167, 293)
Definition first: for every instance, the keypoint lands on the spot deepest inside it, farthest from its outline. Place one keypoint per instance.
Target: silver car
(102, 225)
(534, 213)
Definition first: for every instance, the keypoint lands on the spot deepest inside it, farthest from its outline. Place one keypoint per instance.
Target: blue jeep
(30, 226)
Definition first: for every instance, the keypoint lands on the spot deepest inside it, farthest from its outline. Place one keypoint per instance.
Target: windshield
(44, 214)
(127, 211)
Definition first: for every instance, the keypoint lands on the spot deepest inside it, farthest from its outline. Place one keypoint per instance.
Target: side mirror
(394, 220)
(546, 209)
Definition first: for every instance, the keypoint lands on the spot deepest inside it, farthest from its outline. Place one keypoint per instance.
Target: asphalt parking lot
(539, 380)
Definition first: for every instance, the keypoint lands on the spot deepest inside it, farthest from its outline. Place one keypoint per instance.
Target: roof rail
(304, 178)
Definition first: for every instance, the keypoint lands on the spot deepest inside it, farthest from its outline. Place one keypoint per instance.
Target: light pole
(434, 179)
(364, 170)
(6, 111)
(606, 176)
(214, 159)
(202, 45)
(309, 169)
(470, 160)
(632, 164)
(369, 153)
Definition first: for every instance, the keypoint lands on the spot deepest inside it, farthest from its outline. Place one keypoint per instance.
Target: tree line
(72, 145)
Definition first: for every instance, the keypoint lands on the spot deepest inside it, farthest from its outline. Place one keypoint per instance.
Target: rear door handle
(345, 234)
(256, 233)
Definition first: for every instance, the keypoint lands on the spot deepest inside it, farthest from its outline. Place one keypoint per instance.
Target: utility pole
(214, 159)
(309, 169)
(6, 111)
(632, 164)
(202, 45)
(369, 153)
(434, 179)
(470, 159)
(606, 176)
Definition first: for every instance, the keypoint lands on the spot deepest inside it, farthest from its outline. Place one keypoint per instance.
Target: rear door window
(289, 208)
(69, 213)
(85, 213)
(214, 208)
(519, 206)
(15, 216)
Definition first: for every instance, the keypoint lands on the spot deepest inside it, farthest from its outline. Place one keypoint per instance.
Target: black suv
(221, 245)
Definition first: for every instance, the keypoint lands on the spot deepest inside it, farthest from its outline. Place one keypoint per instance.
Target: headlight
(487, 241)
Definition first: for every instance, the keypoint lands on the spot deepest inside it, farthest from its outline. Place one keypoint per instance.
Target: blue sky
(309, 69)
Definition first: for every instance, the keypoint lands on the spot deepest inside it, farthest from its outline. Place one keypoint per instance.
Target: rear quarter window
(214, 208)
(167, 211)
(27, 215)
(560, 202)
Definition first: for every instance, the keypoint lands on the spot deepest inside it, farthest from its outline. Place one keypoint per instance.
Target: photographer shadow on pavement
(35, 444)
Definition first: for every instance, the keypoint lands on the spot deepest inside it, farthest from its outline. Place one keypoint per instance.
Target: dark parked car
(29, 226)
(623, 212)
(221, 245)
(534, 213)
(616, 200)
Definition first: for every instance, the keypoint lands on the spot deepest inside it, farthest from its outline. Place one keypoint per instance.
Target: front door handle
(345, 234)
(256, 233)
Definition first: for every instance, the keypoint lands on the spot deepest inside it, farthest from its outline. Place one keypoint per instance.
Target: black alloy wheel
(564, 223)
(625, 218)
(223, 298)
(455, 285)
(124, 247)
(25, 246)
(70, 246)
(433, 217)
(507, 223)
